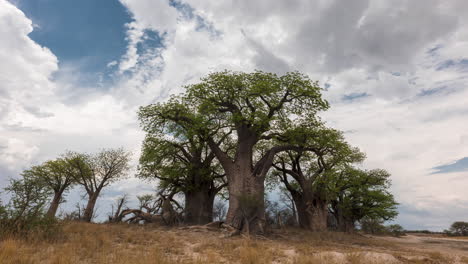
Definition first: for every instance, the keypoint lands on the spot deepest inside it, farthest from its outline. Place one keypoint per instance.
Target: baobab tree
(306, 173)
(56, 175)
(94, 172)
(186, 164)
(250, 110)
(180, 158)
(356, 194)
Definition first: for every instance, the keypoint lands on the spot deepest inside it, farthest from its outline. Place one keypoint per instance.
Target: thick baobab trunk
(169, 215)
(344, 224)
(54, 204)
(246, 187)
(349, 226)
(246, 201)
(312, 212)
(317, 212)
(199, 206)
(89, 210)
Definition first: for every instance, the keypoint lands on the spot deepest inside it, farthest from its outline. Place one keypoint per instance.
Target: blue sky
(74, 73)
(87, 33)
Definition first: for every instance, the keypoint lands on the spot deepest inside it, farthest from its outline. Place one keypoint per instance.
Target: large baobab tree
(259, 109)
(96, 171)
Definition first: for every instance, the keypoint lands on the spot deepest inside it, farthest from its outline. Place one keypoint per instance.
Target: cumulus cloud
(42, 116)
(394, 72)
(381, 64)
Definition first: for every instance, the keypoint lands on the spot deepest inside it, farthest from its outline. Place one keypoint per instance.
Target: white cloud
(412, 116)
(37, 121)
(412, 119)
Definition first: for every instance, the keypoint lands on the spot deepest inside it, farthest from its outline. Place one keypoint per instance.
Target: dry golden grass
(102, 243)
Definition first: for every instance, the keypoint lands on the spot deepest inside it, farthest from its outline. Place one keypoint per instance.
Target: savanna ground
(119, 243)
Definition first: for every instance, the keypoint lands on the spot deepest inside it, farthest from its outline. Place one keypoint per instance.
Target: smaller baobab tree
(181, 160)
(55, 175)
(305, 172)
(96, 171)
(358, 195)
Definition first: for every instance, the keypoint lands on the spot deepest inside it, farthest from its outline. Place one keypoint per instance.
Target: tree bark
(199, 206)
(246, 211)
(246, 201)
(344, 224)
(312, 211)
(317, 212)
(89, 211)
(54, 204)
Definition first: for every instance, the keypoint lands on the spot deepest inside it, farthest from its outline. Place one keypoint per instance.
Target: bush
(24, 216)
(40, 226)
(458, 229)
(373, 226)
(395, 230)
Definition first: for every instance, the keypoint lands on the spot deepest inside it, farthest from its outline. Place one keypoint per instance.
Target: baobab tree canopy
(57, 175)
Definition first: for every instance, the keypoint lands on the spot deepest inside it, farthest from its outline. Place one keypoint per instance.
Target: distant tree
(357, 194)
(94, 172)
(278, 214)
(458, 229)
(288, 201)
(56, 175)
(396, 230)
(28, 196)
(372, 226)
(25, 211)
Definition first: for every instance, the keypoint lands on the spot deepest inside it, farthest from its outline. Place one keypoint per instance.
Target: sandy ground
(443, 245)
(118, 244)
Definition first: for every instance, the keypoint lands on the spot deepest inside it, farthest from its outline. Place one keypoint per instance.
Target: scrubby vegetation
(24, 216)
(215, 151)
(458, 229)
(120, 243)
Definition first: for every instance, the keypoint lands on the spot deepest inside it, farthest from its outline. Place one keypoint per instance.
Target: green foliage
(458, 229)
(363, 194)
(395, 230)
(24, 215)
(373, 226)
(261, 106)
(257, 98)
(175, 149)
(55, 174)
(311, 166)
(96, 171)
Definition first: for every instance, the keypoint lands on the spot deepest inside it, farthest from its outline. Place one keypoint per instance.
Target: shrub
(24, 216)
(396, 230)
(373, 226)
(458, 229)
